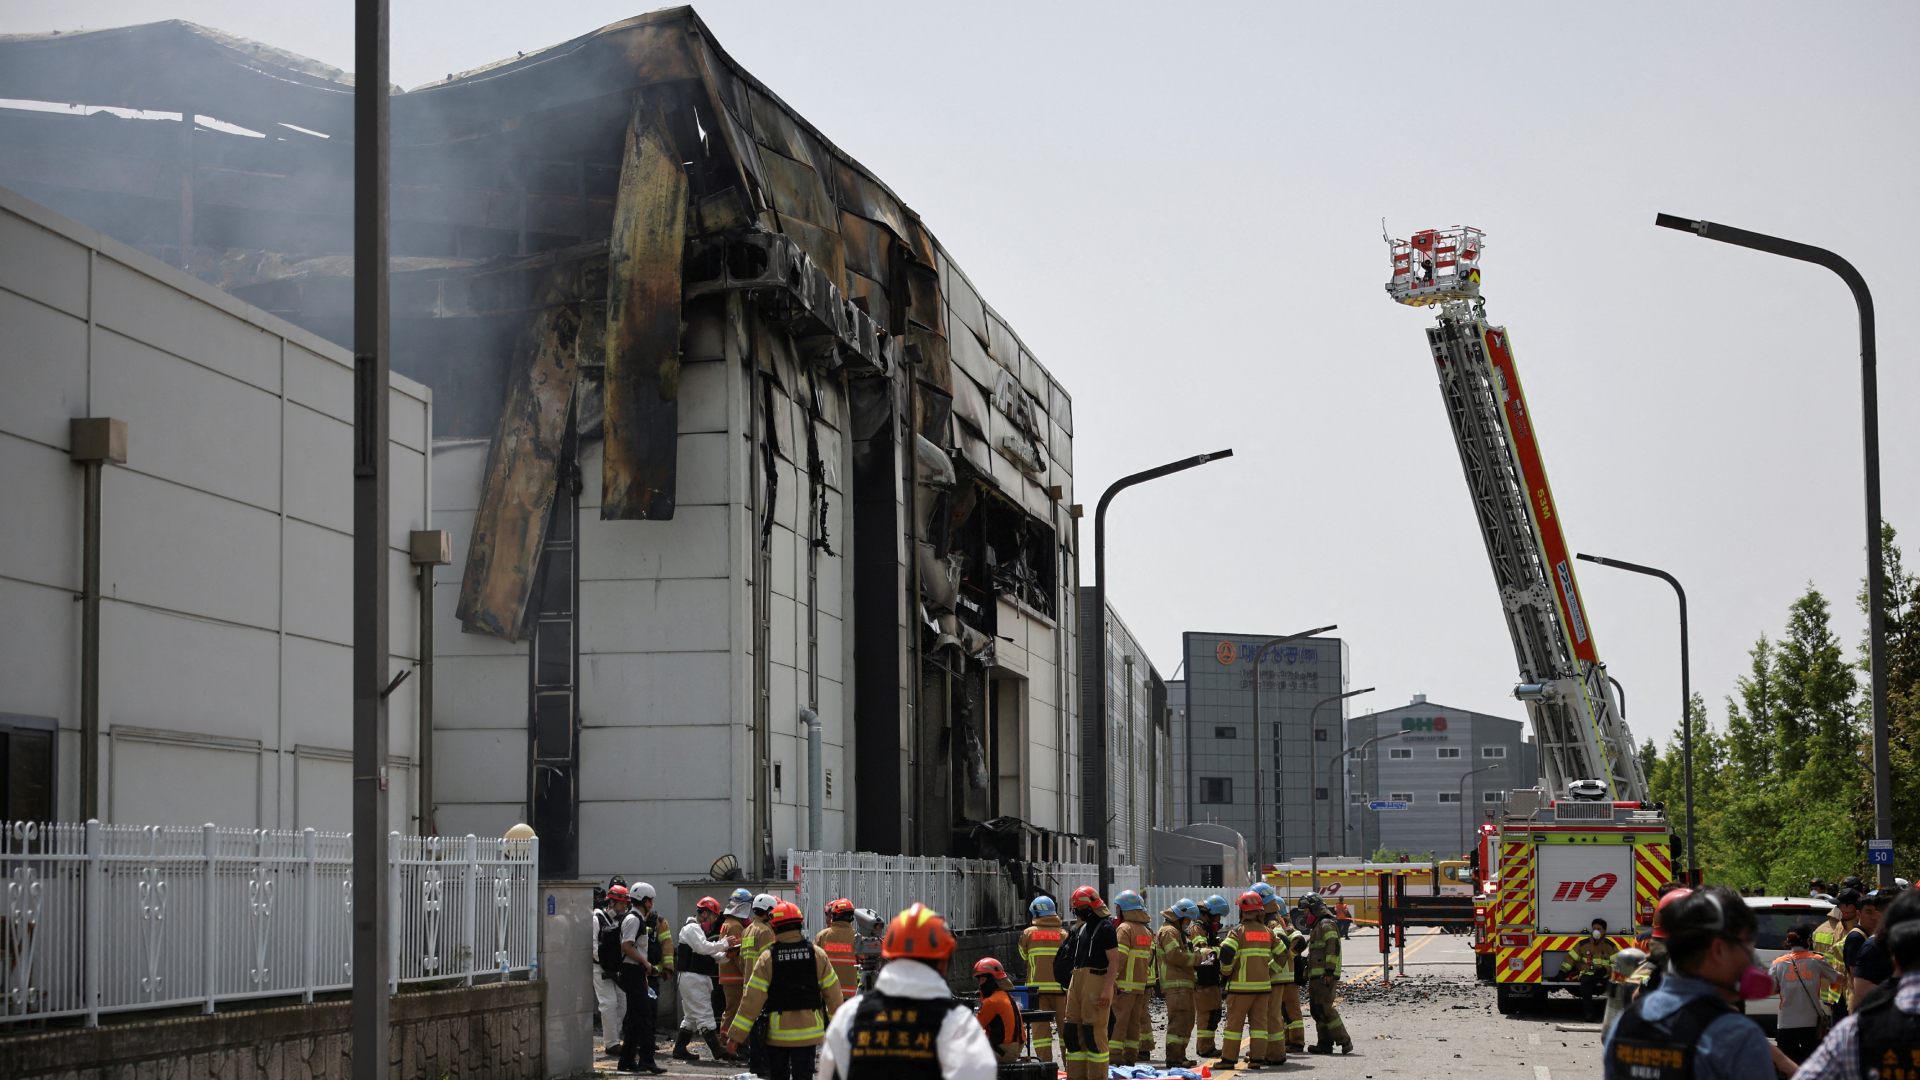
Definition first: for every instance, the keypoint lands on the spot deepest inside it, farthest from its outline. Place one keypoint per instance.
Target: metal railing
(113, 918)
(973, 894)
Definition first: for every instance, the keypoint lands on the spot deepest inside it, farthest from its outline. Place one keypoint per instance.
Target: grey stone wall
(481, 1033)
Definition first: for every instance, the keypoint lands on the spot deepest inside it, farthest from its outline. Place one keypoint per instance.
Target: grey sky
(1178, 208)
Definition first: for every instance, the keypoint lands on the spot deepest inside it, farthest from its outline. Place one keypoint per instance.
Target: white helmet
(640, 890)
(763, 904)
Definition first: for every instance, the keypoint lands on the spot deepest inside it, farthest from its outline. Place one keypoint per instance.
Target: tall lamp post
(1361, 750)
(1101, 765)
(1870, 438)
(1464, 846)
(1686, 698)
(1259, 759)
(1313, 805)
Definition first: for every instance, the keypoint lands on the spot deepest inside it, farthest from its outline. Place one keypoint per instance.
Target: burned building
(727, 443)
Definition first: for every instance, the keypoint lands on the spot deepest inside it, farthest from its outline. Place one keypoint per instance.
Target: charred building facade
(727, 444)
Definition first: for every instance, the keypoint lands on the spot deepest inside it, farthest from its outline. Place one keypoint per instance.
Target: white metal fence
(111, 918)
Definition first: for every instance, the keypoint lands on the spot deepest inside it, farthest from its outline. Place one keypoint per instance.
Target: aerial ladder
(1589, 845)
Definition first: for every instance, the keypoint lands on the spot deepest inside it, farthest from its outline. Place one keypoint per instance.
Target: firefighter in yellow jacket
(1136, 971)
(794, 981)
(1177, 956)
(1209, 990)
(1280, 971)
(1323, 973)
(1246, 957)
(837, 941)
(1039, 944)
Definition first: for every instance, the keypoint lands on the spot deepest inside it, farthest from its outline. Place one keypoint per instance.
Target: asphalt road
(1434, 1021)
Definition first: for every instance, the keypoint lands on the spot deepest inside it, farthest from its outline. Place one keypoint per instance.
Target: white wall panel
(480, 766)
(660, 761)
(655, 616)
(323, 792)
(172, 547)
(39, 671)
(703, 396)
(692, 545)
(635, 689)
(319, 580)
(701, 476)
(167, 318)
(180, 783)
(189, 424)
(316, 381)
(317, 693)
(479, 691)
(318, 490)
(615, 838)
(38, 546)
(162, 670)
(43, 265)
(43, 353)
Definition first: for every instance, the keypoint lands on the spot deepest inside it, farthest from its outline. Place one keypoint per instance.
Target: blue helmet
(1042, 905)
(1266, 891)
(1217, 905)
(741, 896)
(1128, 900)
(1187, 909)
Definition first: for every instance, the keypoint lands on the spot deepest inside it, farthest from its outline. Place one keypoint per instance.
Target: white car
(1777, 915)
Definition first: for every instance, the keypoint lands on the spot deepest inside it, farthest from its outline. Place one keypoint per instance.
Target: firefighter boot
(680, 1051)
(715, 1047)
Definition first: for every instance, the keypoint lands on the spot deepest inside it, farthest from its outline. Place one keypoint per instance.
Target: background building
(1139, 744)
(1220, 768)
(1424, 767)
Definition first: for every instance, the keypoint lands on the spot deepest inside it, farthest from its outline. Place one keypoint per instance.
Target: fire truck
(1587, 844)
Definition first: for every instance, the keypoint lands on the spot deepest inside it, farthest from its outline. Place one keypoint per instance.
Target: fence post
(394, 887)
(309, 911)
(532, 908)
(209, 894)
(91, 887)
(470, 853)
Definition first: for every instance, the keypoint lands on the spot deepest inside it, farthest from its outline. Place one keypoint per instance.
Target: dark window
(26, 769)
(1216, 789)
(1319, 793)
(1226, 733)
(1319, 734)
(1210, 876)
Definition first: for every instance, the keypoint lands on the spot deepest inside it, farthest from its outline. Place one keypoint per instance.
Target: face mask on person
(1596, 934)
(1755, 982)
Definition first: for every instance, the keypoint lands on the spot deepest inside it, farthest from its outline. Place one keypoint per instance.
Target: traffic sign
(1880, 853)
(1382, 804)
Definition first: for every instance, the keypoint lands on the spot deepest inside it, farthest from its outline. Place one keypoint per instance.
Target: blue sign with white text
(1879, 853)
(1382, 804)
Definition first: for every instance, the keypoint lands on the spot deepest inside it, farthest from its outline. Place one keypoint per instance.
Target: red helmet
(1659, 927)
(708, 904)
(1252, 901)
(618, 892)
(785, 916)
(1084, 897)
(989, 966)
(842, 906)
(918, 933)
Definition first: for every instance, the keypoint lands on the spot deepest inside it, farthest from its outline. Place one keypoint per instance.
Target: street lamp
(1870, 438)
(1259, 760)
(1313, 805)
(1361, 750)
(1686, 698)
(1464, 846)
(1100, 641)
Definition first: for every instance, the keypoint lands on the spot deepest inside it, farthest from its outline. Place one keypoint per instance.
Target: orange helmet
(1084, 898)
(785, 916)
(708, 904)
(1252, 901)
(618, 892)
(1659, 927)
(989, 966)
(842, 906)
(918, 933)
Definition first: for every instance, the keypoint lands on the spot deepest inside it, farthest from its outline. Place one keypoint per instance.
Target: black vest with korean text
(896, 1038)
(1889, 1040)
(1662, 1050)
(796, 978)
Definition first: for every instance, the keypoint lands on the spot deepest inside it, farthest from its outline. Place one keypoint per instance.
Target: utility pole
(372, 958)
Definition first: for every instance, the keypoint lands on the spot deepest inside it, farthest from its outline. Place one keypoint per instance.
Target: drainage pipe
(816, 780)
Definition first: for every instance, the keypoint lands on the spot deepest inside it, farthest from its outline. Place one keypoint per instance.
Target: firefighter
(734, 925)
(755, 941)
(836, 940)
(909, 1026)
(1207, 989)
(793, 981)
(998, 1015)
(1176, 954)
(1829, 940)
(1591, 962)
(1039, 944)
(1136, 959)
(1323, 972)
(1091, 958)
(1246, 957)
(1280, 965)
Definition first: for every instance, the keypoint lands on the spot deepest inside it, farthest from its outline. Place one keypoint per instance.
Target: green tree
(1901, 597)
